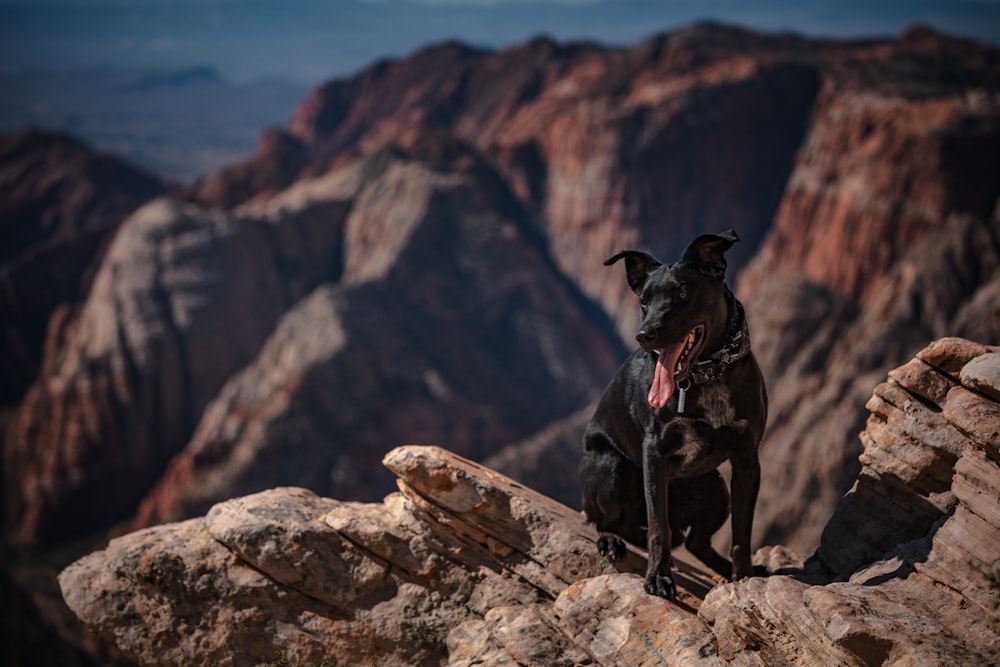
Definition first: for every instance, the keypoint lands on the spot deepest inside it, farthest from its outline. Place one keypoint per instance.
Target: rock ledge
(464, 566)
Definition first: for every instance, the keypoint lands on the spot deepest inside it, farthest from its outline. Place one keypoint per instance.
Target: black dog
(689, 399)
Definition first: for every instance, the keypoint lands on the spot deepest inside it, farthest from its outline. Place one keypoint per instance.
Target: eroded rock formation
(823, 352)
(238, 348)
(60, 204)
(463, 566)
(405, 295)
(448, 322)
(840, 158)
(168, 319)
(839, 161)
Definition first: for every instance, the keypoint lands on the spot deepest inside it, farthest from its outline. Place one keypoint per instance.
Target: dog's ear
(638, 266)
(707, 252)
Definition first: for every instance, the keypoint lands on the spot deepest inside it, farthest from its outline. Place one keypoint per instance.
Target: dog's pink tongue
(663, 377)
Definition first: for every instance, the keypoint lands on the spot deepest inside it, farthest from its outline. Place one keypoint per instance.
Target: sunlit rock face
(61, 202)
(297, 340)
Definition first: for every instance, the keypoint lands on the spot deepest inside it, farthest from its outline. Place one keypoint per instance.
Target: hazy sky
(312, 40)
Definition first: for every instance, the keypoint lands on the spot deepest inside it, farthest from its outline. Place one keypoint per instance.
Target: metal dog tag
(680, 399)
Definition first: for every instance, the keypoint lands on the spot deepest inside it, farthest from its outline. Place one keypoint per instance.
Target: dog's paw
(740, 576)
(744, 572)
(611, 547)
(662, 586)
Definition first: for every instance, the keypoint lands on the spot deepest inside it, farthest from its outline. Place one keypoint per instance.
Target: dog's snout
(647, 334)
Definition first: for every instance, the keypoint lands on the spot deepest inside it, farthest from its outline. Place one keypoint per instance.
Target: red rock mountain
(60, 203)
(404, 296)
(887, 236)
(689, 131)
(418, 255)
(449, 321)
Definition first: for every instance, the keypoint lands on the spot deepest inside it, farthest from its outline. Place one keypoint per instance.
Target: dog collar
(737, 347)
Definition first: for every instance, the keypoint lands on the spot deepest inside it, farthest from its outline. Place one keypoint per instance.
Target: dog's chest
(714, 404)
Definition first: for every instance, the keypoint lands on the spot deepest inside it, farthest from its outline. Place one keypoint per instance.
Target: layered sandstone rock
(913, 547)
(184, 297)
(312, 578)
(886, 236)
(828, 352)
(448, 323)
(463, 566)
(840, 161)
(701, 129)
(60, 204)
(689, 131)
(405, 295)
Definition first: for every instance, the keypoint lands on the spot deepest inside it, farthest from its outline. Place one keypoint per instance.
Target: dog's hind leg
(612, 497)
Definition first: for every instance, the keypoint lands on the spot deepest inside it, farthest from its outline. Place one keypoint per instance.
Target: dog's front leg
(745, 486)
(655, 472)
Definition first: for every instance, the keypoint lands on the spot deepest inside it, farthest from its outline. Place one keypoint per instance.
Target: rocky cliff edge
(464, 566)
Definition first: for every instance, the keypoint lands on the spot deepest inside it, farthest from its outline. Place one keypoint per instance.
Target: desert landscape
(218, 370)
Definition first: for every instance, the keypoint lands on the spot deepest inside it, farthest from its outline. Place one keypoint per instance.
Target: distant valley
(180, 124)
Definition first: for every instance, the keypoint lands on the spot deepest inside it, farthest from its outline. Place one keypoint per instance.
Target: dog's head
(684, 306)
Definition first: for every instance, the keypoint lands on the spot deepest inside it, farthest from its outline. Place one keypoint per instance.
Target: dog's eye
(682, 294)
(643, 303)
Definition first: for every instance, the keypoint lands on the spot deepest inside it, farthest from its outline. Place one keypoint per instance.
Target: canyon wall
(860, 176)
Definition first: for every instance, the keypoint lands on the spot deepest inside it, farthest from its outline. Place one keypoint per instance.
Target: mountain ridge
(323, 287)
